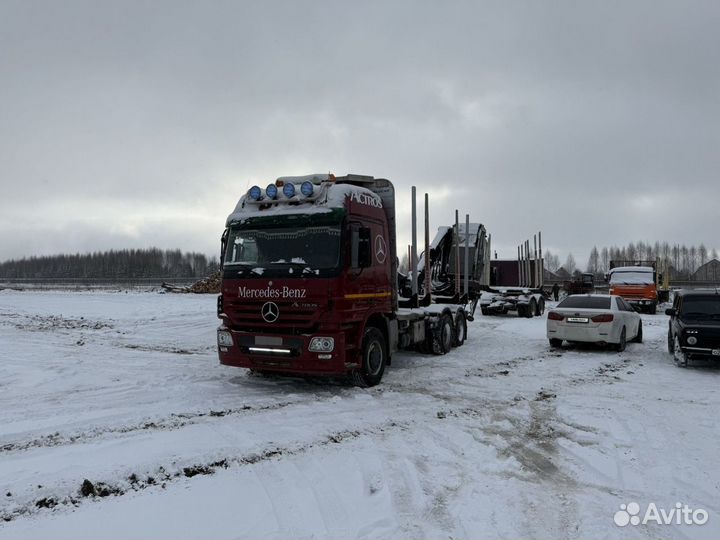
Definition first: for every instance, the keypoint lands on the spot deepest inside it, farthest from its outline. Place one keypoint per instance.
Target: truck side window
(360, 252)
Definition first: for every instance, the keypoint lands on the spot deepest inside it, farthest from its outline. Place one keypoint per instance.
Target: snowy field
(116, 421)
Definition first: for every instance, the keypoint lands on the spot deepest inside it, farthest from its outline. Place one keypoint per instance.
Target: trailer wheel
(531, 309)
(443, 335)
(540, 309)
(374, 358)
(460, 328)
(522, 311)
(484, 311)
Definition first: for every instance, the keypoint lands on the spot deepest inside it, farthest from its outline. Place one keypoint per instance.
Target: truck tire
(460, 328)
(670, 343)
(653, 309)
(443, 335)
(531, 308)
(540, 309)
(374, 358)
(484, 311)
(522, 311)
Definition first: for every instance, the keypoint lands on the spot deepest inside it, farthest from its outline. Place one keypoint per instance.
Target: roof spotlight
(255, 192)
(289, 190)
(307, 188)
(271, 191)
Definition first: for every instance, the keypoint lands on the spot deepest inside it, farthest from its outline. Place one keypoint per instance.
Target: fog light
(224, 338)
(692, 340)
(322, 344)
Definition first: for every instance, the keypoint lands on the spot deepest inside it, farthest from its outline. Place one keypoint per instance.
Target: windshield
(701, 306)
(288, 250)
(631, 278)
(587, 302)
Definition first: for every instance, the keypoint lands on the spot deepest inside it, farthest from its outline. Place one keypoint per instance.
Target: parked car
(694, 326)
(594, 318)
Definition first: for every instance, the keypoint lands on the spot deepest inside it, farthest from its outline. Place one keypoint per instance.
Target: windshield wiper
(302, 266)
(241, 267)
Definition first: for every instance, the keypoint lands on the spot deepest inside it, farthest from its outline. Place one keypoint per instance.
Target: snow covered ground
(116, 421)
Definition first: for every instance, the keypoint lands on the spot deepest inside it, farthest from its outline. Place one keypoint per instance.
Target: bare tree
(702, 254)
(593, 264)
(570, 265)
(604, 260)
(552, 262)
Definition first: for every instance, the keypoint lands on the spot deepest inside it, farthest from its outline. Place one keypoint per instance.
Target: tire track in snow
(173, 422)
(164, 475)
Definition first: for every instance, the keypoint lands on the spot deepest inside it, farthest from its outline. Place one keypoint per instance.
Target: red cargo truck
(310, 282)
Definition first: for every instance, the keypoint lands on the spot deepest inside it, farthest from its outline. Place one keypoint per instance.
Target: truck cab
(637, 285)
(308, 267)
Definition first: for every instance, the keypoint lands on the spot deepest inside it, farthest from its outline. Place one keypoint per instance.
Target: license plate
(578, 319)
(716, 352)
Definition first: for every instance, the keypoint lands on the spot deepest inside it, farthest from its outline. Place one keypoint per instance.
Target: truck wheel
(460, 328)
(532, 307)
(374, 357)
(681, 358)
(653, 309)
(484, 310)
(540, 309)
(555, 342)
(623, 340)
(670, 343)
(443, 335)
(522, 311)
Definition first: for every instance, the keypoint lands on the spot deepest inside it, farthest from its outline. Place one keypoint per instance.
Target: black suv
(694, 329)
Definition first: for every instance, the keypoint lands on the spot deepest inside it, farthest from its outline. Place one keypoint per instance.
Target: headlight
(692, 340)
(322, 344)
(224, 338)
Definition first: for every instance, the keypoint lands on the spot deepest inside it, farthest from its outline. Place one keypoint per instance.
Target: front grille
(246, 315)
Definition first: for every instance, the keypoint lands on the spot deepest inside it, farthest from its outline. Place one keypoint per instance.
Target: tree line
(113, 264)
(683, 261)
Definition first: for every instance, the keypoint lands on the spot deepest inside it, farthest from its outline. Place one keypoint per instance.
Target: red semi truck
(310, 282)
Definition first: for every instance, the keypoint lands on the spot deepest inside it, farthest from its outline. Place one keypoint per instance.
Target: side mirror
(360, 253)
(671, 312)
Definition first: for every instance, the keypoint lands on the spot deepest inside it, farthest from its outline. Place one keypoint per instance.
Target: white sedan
(594, 318)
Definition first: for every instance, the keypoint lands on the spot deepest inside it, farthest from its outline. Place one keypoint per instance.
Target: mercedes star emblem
(270, 312)
(380, 249)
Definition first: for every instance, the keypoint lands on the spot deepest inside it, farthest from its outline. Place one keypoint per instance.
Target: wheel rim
(374, 358)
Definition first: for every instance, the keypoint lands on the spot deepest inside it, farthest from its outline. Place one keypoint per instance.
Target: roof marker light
(289, 190)
(307, 188)
(271, 191)
(255, 192)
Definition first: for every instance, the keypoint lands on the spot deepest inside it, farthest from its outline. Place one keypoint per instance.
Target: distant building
(710, 271)
(562, 274)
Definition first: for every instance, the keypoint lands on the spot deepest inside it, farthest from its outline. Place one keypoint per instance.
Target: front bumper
(697, 352)
(284, 353)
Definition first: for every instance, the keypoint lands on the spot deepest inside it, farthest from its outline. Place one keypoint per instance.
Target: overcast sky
(137, 124)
